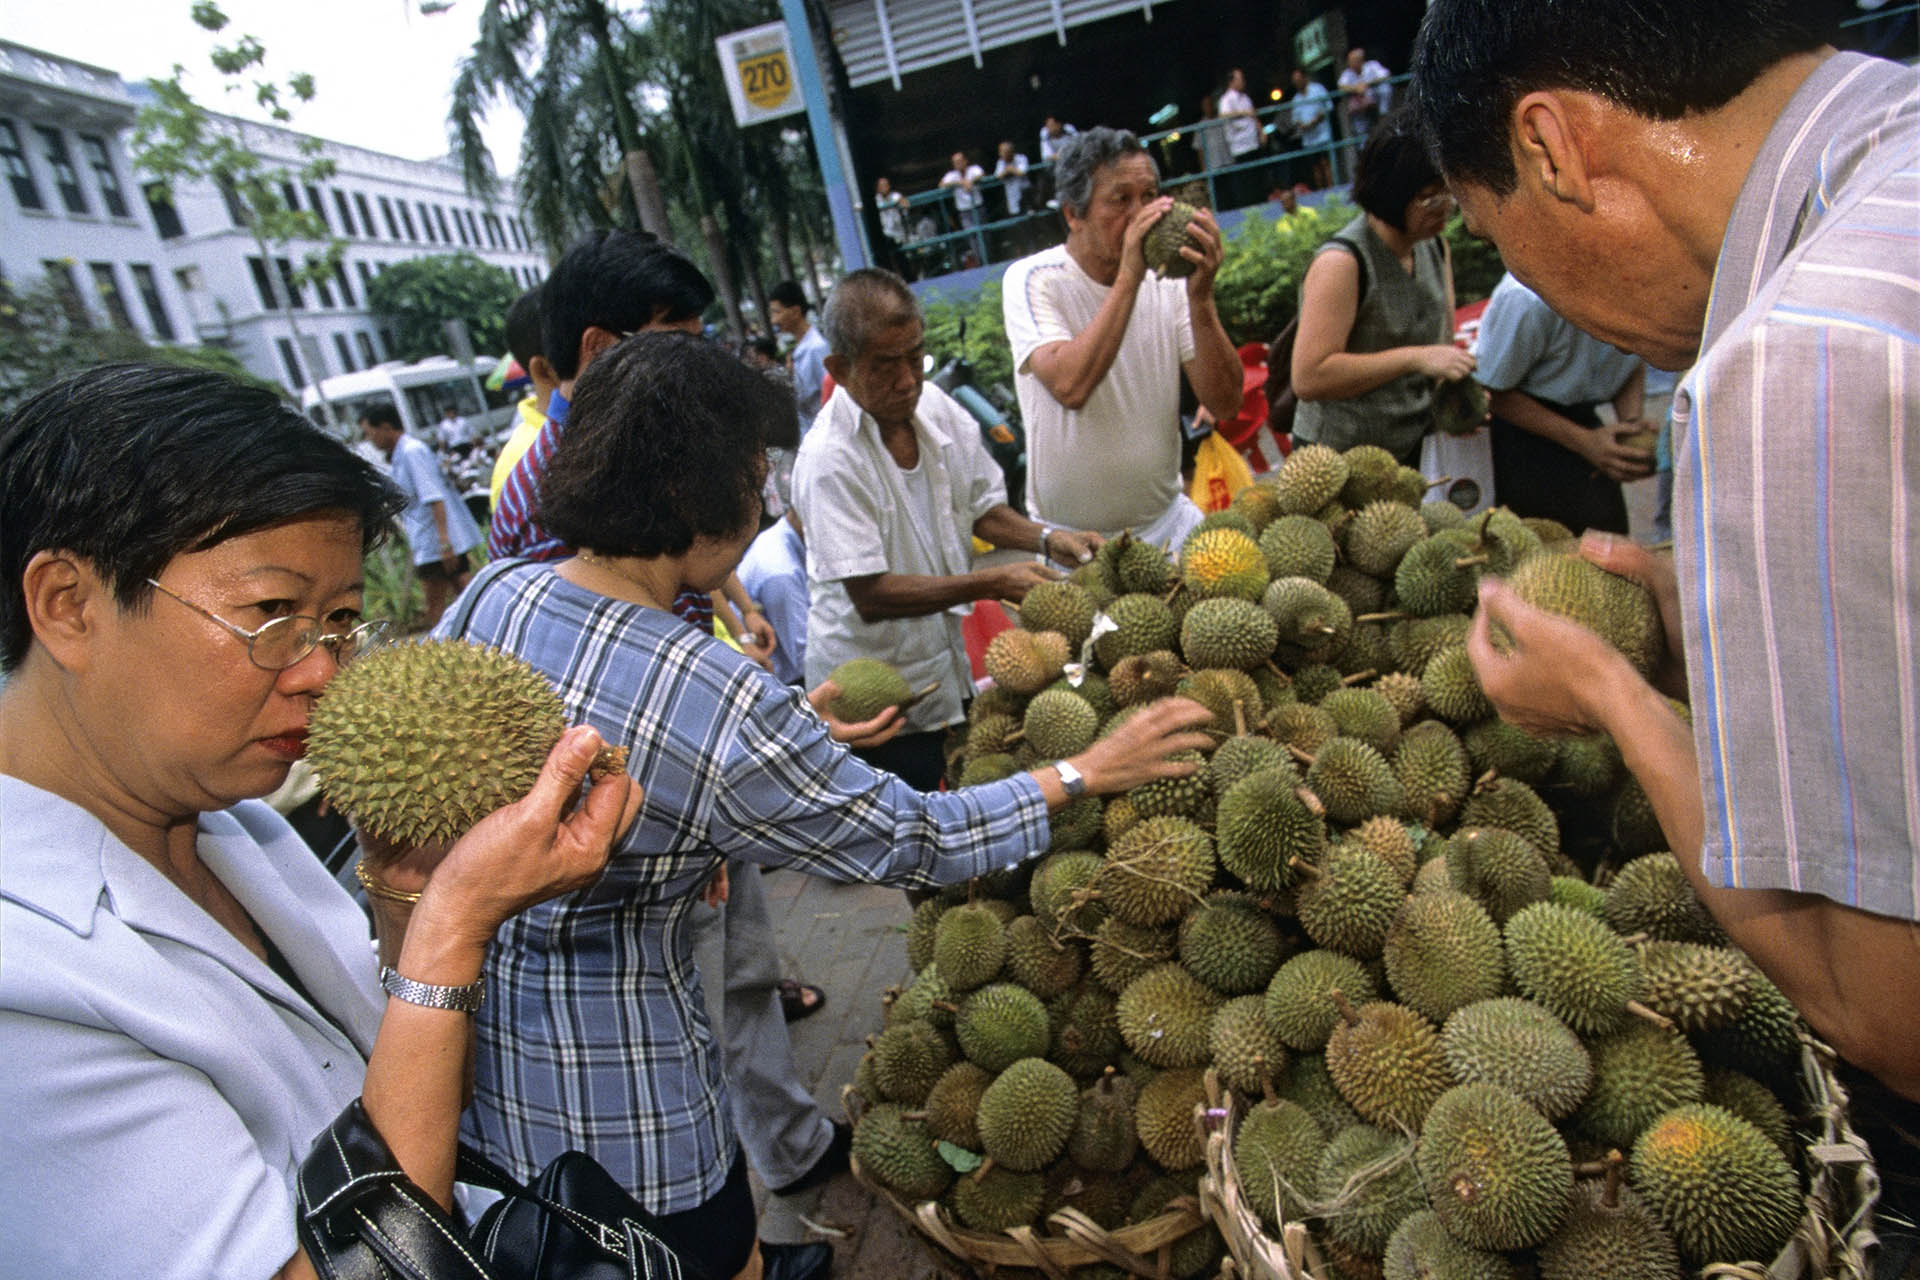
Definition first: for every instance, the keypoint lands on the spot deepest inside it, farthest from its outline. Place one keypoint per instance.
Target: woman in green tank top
(1376, 308)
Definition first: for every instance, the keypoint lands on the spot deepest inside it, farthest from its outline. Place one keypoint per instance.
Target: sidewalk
(850, 941)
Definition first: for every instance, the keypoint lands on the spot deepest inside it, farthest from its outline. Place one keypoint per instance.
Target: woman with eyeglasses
(1376, 308)
(187, 999)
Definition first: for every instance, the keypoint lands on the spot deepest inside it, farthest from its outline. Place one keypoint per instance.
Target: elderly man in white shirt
(892, 484)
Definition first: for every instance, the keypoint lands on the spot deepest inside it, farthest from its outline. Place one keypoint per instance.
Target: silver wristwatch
(1071, 779)
(465, 999)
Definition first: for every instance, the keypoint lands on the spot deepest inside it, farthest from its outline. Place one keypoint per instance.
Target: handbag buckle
(614, 1242)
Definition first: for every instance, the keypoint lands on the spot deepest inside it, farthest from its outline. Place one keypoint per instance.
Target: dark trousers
(1536, 477)
(919, 759)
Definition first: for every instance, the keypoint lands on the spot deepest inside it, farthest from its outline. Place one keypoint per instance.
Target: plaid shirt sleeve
(514, 532)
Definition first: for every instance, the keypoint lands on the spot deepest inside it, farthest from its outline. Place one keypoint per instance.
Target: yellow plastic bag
(1219, 472)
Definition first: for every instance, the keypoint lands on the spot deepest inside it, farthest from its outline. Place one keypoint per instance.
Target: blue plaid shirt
(594, 1036)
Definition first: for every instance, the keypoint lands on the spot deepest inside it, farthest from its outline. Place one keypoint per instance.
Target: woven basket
(1834, 1241)
(1143, 1249)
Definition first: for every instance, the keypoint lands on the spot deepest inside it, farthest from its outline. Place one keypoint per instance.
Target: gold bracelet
(378, 888)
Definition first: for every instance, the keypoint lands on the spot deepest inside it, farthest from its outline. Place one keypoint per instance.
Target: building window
(366, 217)
(426, 223)
(367, 356)
(340, 278)
(345, 352)
(290, 197)
(166, 218)
(406, 220)
(460, 226)
(107, 284)
(473, 227)
(495, 236)
(440, 216)
(13, 158)
(295, 298)
(236, 209)
(64, 176)
(326, 294)
(150, 295)
(290, 362)
(60, 277)
(366, 274)
(95, 151)
(319, 207)
(262, 285)
(386, 212)
(345, 210)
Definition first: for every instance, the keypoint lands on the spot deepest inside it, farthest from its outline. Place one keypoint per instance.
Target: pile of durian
(1478, 1022)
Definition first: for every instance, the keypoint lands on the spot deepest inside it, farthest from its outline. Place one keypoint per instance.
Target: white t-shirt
(1243, 134)
(964, 197)
(1014, 174)
(417, 472)
(1113, 463)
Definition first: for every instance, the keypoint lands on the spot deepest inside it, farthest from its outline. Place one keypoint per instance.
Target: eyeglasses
(1438, 200)
(284, 641)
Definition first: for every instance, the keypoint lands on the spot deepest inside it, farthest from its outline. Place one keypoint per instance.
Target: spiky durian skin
(969, 946)
(418, 742)
(1300, 1003)
(1001, 1023)
(1223, 562)
(899, 1153)
(1497, 1171)
(1245, 1049)
(1157, 871)
(1298, 547)
(1389, 1065)
(1027, 1114)
(1513, 806)
(1310, 478)
(1086, 1036)
(1350, 904)
(1239, 756)
(1166, 1017)
(998, 1199)
(1519, 1046)
(920, 933)
(1038, 961)
(908, 1060)
(1164, 240)
(1573, 964)
(1700, 988)
(1369, 1174)
(1060, 723)
(1421, 1248)
(1718, 1184)
(1276, 1156)
(1121, 951)
(1063, 607)
(1263, 825)
(868, 686)
(1232, 944)
(1354, 782)
(1619, 1242)
(1104, 1137)
(953, 1104)
(1431, 767)
(1442, 953)
(1639, 1072)
(1651, 895)
(1163, 1115)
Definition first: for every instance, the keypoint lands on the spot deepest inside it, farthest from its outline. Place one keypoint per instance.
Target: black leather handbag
(361, 1218)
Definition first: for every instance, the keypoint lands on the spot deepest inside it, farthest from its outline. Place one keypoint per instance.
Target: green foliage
(1258, 287)
(1476, 263)
(392, 590)
(420, 294)
(986, 343)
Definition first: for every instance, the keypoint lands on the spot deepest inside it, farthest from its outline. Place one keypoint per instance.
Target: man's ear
(540, 369)
(838, 366)
(1549, 148)
(593, 342)
(64, 599)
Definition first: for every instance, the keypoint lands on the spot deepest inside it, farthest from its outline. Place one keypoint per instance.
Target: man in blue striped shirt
(1715, 184)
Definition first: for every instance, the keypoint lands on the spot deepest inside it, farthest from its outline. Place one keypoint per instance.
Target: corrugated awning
(883, 40)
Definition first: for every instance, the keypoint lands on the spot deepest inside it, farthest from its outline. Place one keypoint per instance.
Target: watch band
(465, 999)
(1071, 779)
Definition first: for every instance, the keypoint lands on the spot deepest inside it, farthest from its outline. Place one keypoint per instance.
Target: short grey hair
(863, 303)
(1084, 155)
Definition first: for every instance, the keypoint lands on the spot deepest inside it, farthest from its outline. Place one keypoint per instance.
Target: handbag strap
(470, 598)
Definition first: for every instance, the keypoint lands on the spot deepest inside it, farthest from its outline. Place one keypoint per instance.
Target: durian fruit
(1349, 902)
(1166, 238)
(1298, 547)
(1497, 1171)
(1651, 895)
(1441, 514)
(953, 1104)
(1062, 607)
(1300, 1002)
(1136, 566)
(1310, 478)
(1001, 1023)
(1307, 1083)
(1245, 1050)
(1459, 406)
(1314, 681)
(1619, 611)
(1194, 1254)
(1227, 632)
(1381, 533)
(1227, 519)
(1635, 826)
(997, 1199)
(1276, 1156)
(1519, 1046)
(1582, 971)
(921, 932)
(1553, 535)
(982, 770)
(1076, 825)
(1300, 726)
(1104, 1138)
(1373, 475)
(1354, 781)
(1102, 1197)
(1753, 1102)
(1026, 661)
(1039, 962)
(863, 1082)
(1639, 1072)
(418, 742)
(1122, 951)
(927, 998)
(868, 686)
(1166, 1017)
(1163, 1116)
(1223, 562)
(1142, 677)
(1231, 695)
(1241, 755)
(1403, 693)
(1368, 1184)
(1311, 622)
(1717, 1184)
(1570, 891)
(1156, 871)
(1452, 689)
(1366, 715)
(1588, 765)
(1516, 807)
(1264, 825)
(1366, 654)
(1764, 1041)
(1443, 953)
(1259, 504)
(1060, 724)
(1422, 1249)
(1387, 1062)
(1062, 893)
(1499, 868)
(1231, 943)
(1415, 641)
(1027, 1114)
(1190, 797)
(1117, 818)
(1510, 751)
(1431, 768)
(1440, 574)
(990, 735)
(908, 1058)
(1608, 1232)
(969, 946)
(1389, 839)
(1086, 1034)
(1142, 624)
(1700, 988)
(898, 1153)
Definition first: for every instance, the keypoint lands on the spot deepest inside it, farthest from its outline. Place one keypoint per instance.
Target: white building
(187, 270)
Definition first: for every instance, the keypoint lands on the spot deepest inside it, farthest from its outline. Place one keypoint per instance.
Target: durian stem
(1299, 755)
(1010, 606)
(944, 1006)
(1305, 868)
(1266, 1079)
(1636, 939)
(1485, 780)
(981, 1172)
(1016, 736)
(1168, 598)
(1347, 1012)
(1468, 562)
(1443, 480)
(1391, 615)
(913, 1115)
(1360, 677)
(1616, 1174)
(1284, 677)
(1311, 801)
(1240, 717)
(1639, 1010)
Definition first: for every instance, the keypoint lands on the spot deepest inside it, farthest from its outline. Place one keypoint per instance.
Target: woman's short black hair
(130, 465)
(664, 444)
(1394, 167)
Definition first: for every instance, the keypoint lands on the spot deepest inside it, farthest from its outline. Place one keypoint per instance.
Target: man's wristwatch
(465, 999)
(1071, 779)
(1046, 542)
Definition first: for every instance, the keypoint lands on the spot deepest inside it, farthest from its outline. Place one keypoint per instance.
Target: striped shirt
(1796, 477)
(594, 1036)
